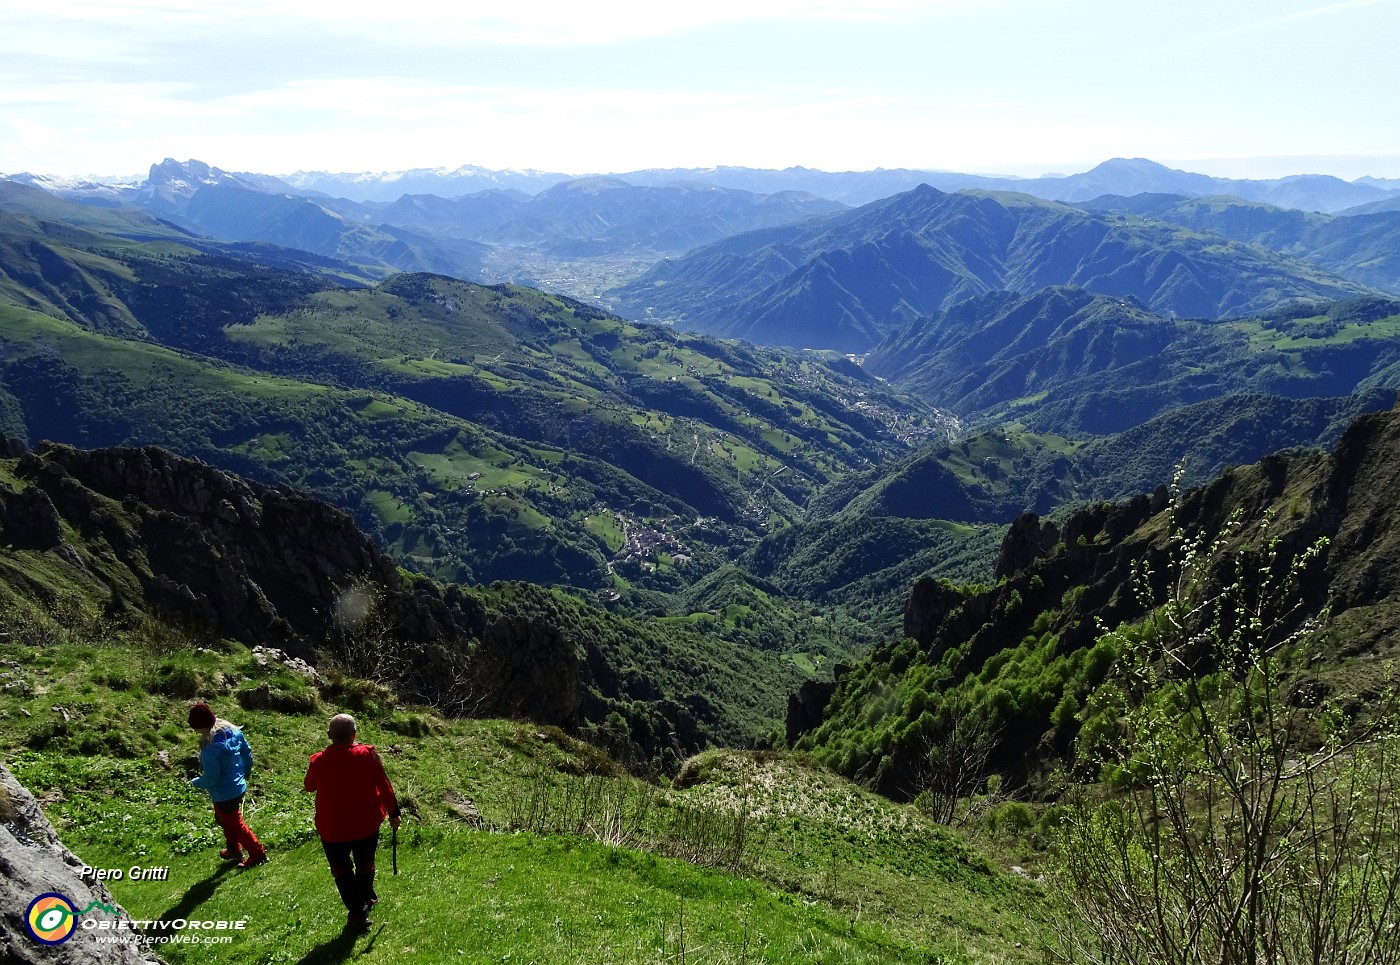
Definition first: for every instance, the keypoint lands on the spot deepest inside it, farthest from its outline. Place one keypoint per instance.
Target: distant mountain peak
(171, 170)
(596, 184)
(1136, 164)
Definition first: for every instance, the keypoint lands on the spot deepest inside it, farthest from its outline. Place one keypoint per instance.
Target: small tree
(956, 760)
(365, 642)
(1244, 828)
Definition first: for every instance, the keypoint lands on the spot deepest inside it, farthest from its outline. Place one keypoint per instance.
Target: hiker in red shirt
(353, 796)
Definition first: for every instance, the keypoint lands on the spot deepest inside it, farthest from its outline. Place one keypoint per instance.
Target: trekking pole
(395, 849)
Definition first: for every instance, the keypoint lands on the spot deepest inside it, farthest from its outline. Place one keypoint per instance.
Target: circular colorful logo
(50, 919)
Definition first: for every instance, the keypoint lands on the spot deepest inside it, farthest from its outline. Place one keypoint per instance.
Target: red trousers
(237, 835)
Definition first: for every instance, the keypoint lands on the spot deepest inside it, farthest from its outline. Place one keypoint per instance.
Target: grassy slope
(828, 872)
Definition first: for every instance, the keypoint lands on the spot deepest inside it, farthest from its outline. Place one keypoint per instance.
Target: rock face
(259, 564)
(33, 862)
(805, 707)
(276, 569)
(533, 669)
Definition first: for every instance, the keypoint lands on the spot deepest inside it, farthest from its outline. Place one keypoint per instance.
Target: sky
(1236, 88)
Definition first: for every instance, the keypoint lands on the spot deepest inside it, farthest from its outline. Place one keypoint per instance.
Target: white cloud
(986, 84)
(36, 137)
(520, 22)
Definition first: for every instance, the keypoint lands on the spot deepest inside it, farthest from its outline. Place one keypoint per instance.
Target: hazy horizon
(1262, 169)
(1008, 87)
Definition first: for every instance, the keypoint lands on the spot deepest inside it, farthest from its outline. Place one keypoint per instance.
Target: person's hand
(394, 821)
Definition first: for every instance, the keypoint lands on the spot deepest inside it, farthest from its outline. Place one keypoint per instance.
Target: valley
(836, 557)
(495, 432)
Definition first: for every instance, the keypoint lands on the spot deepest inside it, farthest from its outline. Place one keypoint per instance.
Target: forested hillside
(480, 432)
(846, 281)
(1361, 246)
(1065, 360)
(1028, 661)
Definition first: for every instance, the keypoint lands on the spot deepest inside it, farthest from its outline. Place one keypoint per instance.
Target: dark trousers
(352, 866)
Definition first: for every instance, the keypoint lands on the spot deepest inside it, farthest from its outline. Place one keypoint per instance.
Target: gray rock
(33, 861)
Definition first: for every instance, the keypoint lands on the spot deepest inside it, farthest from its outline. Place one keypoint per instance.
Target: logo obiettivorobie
(51, 919)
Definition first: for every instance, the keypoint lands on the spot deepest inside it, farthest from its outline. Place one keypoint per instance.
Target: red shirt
(353, 794)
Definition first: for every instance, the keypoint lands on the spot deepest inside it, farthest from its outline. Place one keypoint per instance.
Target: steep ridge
(1060, 583)
(1065, 360)
(1364, 247)
(839, 281)
(245, 208)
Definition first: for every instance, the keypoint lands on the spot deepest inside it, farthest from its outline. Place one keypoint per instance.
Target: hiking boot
(358, 922)
(232, 854)
(253, 860)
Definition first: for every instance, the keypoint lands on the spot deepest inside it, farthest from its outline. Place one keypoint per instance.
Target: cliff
(144, 530)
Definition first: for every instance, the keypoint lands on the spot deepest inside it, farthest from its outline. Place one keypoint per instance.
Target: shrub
(1012, 819)
(1063, 715)
(264, 696)
(176, 680)
(1227, 841)
(414, 724)
(357, 695)
(45, 734)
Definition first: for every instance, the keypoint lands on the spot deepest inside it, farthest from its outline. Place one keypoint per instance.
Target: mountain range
(1121, 176)
(847, 280)
(1096, 328)
(494, 432)
(454, 235)
(480, 432)
(594, 237)
(1361, 247)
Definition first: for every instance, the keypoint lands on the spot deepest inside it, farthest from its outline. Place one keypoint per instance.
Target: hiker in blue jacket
(226, 759)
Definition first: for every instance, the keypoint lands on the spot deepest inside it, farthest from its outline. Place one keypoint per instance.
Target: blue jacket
(226, 760)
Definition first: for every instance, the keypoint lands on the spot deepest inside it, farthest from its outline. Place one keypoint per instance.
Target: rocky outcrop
(34, 862)
(29, 520)
(532, 671)
(1082, 573)
(1098, 550)
(274, 568)
(804, 711)
(260, 564)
